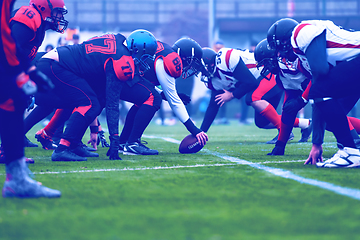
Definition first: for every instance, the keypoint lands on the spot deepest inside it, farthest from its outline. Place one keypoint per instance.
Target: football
(190, 144)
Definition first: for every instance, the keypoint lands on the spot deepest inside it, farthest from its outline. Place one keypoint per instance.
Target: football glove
(279, 149)
(113, 152)
(292, 106)
(43, 83)
(102, 139)
(184, 98)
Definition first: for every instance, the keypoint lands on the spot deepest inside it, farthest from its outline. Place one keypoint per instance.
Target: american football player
(15, 84)
(329, 52)
(29, 24)
(88, 77)
(296, 86)
(182, 59)
(233, 74)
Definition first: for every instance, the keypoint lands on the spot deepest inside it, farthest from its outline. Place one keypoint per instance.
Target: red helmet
(52, 11)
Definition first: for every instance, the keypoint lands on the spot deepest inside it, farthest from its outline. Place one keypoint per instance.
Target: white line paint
(137, 169)
(350, 192)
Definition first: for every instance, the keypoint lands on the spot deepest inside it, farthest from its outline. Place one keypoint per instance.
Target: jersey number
(108, 46)
(177, 64)
(30, 14)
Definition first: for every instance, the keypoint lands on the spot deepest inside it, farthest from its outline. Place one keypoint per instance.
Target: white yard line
(350, 192)
(138, 169)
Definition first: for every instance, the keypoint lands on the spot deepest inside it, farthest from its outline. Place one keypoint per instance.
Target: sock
(270, 114)
(142, 120)
(129, 123)
(355, 123)
(59, 118)
(336, 118)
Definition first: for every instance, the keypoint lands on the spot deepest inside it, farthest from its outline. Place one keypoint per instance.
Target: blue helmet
(266, 57)
(142, 46)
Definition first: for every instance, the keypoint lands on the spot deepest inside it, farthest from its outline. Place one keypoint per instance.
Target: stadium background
(238, 23)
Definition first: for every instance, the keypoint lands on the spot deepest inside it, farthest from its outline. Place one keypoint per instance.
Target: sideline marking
(350, 192)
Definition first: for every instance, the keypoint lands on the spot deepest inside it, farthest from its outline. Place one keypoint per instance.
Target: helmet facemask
(191, 66)
(57, 21)
(141, 58)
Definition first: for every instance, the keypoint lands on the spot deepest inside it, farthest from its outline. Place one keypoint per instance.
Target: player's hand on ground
(113, 152)
(202, 138)
(315, 155)
(93, 140)
(222, 98)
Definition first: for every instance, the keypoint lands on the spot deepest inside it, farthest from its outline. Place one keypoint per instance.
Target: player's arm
(317, 56)
(247, 81)
(211, 112)
(167, 83)
(22, 36)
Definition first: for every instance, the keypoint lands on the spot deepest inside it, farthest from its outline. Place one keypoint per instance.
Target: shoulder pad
(28, 16)
(173, 64)
(124, 68)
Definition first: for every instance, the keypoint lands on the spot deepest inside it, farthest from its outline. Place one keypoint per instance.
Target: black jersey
(88, 59)
(28, 30)
(172, 63)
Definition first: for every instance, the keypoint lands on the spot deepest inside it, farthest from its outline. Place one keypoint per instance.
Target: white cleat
(344, 158)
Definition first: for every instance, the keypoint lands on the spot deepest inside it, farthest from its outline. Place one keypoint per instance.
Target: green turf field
(229, 190)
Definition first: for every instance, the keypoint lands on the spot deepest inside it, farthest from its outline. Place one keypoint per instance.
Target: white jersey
(342, 45)
(290, 75)
(226, 61)
(168, 86)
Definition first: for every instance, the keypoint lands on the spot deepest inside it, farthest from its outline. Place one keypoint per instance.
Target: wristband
(94, 129)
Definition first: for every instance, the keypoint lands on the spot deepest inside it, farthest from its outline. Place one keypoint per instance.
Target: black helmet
(266, 57)
(142, 45)
(279, 34)
(190, 53)
(209, 58)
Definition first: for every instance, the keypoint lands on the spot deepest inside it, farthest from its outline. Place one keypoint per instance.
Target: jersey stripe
(227, 58)
(330, 44)
(297, 32)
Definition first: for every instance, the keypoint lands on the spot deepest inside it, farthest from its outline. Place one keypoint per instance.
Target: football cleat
(305, 133)
(273, 141)
(46, 141)
(121, 147)
(82, 151)
(91, 149)
(28, 143)
(137, 148)
(344, 158)
(278, 150)
(66, 156)
(19, 184)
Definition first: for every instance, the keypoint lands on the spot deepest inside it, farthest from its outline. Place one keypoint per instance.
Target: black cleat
(28, 143)
(138, 149)
(46, 141)
(81, 151)
(66, 156)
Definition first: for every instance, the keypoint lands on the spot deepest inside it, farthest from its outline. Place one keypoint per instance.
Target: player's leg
(147, 101)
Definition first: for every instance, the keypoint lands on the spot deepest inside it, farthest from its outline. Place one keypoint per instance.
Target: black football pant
(342, 81)
(70, 92)
(12, 106)
(146, 102)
